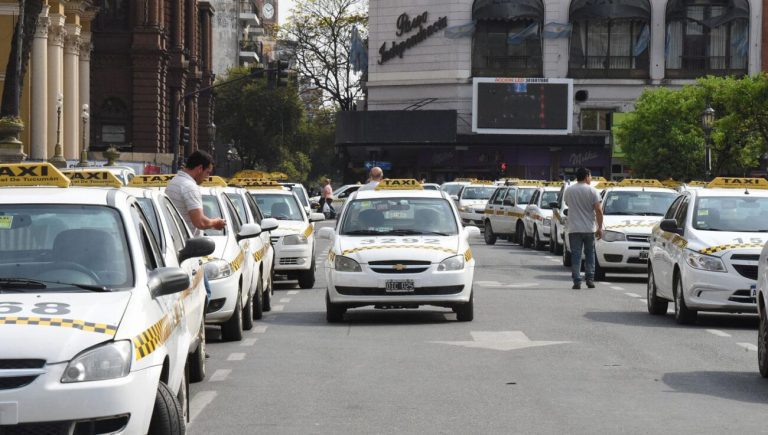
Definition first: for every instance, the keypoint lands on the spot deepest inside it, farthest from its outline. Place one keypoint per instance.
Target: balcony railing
(250, 46)
(508, 66)
(615, 67)
(699, 66)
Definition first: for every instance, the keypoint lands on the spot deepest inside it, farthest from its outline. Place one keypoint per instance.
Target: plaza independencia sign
(405, 25)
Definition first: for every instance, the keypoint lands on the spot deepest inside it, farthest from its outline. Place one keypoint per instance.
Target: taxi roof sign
(399, 184)
(32, 174)
(483, 182)
(250, 173)
(214, 181)
(738, 182)
(463, 180)
(698, 183)
(599, 179)
(552, 184)
(640, 182)
(671, 183)
(256, 183)
(606, 184)
(93, 178)
(282, 176)
(527, 183)
(159, 180)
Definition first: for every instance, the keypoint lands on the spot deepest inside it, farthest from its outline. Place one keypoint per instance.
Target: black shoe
(576, 286)
(590, 283)
(207, 355)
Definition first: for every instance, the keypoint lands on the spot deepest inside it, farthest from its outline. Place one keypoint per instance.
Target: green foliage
(664, 136)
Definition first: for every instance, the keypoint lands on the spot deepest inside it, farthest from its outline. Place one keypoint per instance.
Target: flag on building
(553, 30)
(528, 32)
(642, 40)
(460, 31)
(358, 53)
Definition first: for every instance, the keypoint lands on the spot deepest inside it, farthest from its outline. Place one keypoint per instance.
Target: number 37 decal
(44, 308)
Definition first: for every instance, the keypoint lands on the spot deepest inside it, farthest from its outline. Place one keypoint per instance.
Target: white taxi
(630, 210)
(294, 239)
(537, 219)
(704, 253)
(399, 246)
(472, 200)
(507, 216)
(91, 315)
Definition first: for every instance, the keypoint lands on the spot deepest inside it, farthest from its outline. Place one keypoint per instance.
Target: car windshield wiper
(404, 232)
(40, 284)
(435, 233)
(362, 233)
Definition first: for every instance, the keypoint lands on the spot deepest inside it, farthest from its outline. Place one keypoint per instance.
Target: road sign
(385, 166)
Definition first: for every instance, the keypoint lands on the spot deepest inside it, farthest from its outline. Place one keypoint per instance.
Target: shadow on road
(741, 386)
(705, 320)
(364, 316)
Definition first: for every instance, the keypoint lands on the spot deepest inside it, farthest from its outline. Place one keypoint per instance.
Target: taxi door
(247, 247)
(671, 249)
(531, 211)
(506, 221)
(494, 210)
(268, 254)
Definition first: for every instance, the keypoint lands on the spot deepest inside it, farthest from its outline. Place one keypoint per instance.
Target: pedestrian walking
(584, 224)
(326, 198)
(374, 177)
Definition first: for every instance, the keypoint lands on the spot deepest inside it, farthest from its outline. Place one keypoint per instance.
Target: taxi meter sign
(93, 178)
(640, 182)
(256, 183)
(151, 180)
(736, 182)
(37, 174)
(399, 184)
(214, 181)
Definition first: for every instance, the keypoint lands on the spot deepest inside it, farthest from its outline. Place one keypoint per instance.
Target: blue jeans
(578, 241)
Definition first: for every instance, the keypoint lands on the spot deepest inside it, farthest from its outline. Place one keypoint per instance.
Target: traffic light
(185, 137)
(282, 73)
(503, 166)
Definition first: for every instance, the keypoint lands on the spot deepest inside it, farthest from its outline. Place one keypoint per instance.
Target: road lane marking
(293, 292)
(236, 356)
(199, 402)
(718, 333)
(249, 342)
(632, 295)
(220, 375)
(748, 346)
(500, 340)
(607, 283)
(285, 300)
(645, 301)
(497, 284)
(259, 329)
(615, 287)
(278, 307)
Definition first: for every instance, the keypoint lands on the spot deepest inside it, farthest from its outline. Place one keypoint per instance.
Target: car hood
(285, 228)
(631, 224)
(719, 243)
(424, 248)
(57, 326)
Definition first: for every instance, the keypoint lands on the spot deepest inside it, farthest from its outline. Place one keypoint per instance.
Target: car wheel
(466, 312)
(307, 277)
(537, 243)
(488, 234)
(522, 238)
(197, 358)
(683, 315)
(334, 313)
(762, 345)
(167, 413)
(552, 241)
(258, 301)
(656, 305)
(248, 314)
(267, 300)
(232, 330)
(566, 256)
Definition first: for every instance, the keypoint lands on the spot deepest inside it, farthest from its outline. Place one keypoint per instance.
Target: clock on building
(268, 10)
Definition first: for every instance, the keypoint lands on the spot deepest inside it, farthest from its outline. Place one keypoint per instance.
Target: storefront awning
(508, 10)
(736, 9)
(610, 9)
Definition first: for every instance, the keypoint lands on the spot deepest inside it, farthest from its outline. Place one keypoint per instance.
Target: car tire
(167, 413)
(599, 270)
(334, 313)
(683, 314)
(466, 312)
(656, 305)
(537, 243)
(196, 359)
(267, 301)
(488, 234)
(248, 314)
(258, 302)
(762, 345)
(522, 238)
(307, 277)
(232, 330)
(566, 256)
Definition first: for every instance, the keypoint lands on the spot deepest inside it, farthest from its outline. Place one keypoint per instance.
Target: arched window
(610, 39)
(706, 37)
(507, 40)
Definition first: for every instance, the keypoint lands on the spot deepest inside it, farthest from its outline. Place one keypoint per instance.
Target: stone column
(39, 71)
(56, 35)
(85, 82)
(71, 93)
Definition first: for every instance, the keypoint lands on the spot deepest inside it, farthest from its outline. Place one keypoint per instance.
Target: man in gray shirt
(585, 222)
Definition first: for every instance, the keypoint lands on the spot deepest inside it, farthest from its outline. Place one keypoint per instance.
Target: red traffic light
(503, 166)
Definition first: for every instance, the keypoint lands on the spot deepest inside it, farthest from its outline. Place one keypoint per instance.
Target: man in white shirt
(374, 177)
(585, 224)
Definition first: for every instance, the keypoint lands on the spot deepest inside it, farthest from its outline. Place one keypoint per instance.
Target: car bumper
(472, 218)
(622, 256)
(431, 287)
(293, 257)
(46, 402)
(225, 289)
(717, 291)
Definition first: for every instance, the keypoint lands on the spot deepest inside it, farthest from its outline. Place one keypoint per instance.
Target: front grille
(746, 271)
(16, 382)
(635, 238)
(405, 262)
(742, 296)
(274, 239)
(613, 258)
(48, 428)
(746, 257)
(635, 260)
(391, 269)
(394, 266)
(419, 291)
(289, 260)
(7, 364)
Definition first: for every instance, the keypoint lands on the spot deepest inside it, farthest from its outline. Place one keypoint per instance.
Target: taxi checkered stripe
(331, 255)
(368, 248)
(237, 262)
(718, 248)
(515, 214)
(308, 231)
(258, 255)
(468, 255)
(146, 342)
(630, 226)
(675, 239)
(82, 325)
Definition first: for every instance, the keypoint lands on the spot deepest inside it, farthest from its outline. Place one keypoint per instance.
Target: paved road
(538, 358)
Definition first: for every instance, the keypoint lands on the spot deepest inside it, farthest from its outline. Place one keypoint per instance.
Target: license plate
(399, 285)
(753, 290)
(643, 255)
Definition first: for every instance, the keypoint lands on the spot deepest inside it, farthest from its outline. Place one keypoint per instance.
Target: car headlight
(704, 262)
(451, 263)
(614, 236)
(295, 239)
(464, 208)
(109, 361)
(346, 264)
(547, 222)
(217, 269)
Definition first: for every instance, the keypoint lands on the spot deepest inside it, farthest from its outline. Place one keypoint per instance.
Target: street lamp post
(58, 154)
(84, 151)
(707, 122)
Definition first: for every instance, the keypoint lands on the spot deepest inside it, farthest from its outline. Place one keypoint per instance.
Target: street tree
(322, 32)
(18, 59)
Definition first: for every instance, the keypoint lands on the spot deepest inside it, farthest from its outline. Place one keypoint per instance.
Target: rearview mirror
(670, 225)
(269, 224)
(248, 231)
(455, 197)
(471, 231)
(167, 281)
(197, 247)
(316, 217)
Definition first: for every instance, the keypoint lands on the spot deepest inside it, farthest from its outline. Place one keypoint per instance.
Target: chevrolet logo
(399, 267)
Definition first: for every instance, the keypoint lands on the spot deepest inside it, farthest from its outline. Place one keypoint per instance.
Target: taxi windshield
(64, 243)
(280, 207)
(399, 216)
(524, 195)
(637, 203)
(298, 189)
(212, 210)
(548, 197)
(474, 192)
(451, 189)
(239, 204)
(731, 213)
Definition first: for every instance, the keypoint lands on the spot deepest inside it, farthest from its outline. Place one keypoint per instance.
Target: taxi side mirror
(248, 231)
(269, 224)
(553, 204)
(197, 247)
(471, 231)
(670, 225)
(325, 233)
(167, 281)
(316, 217)
(455, 197)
